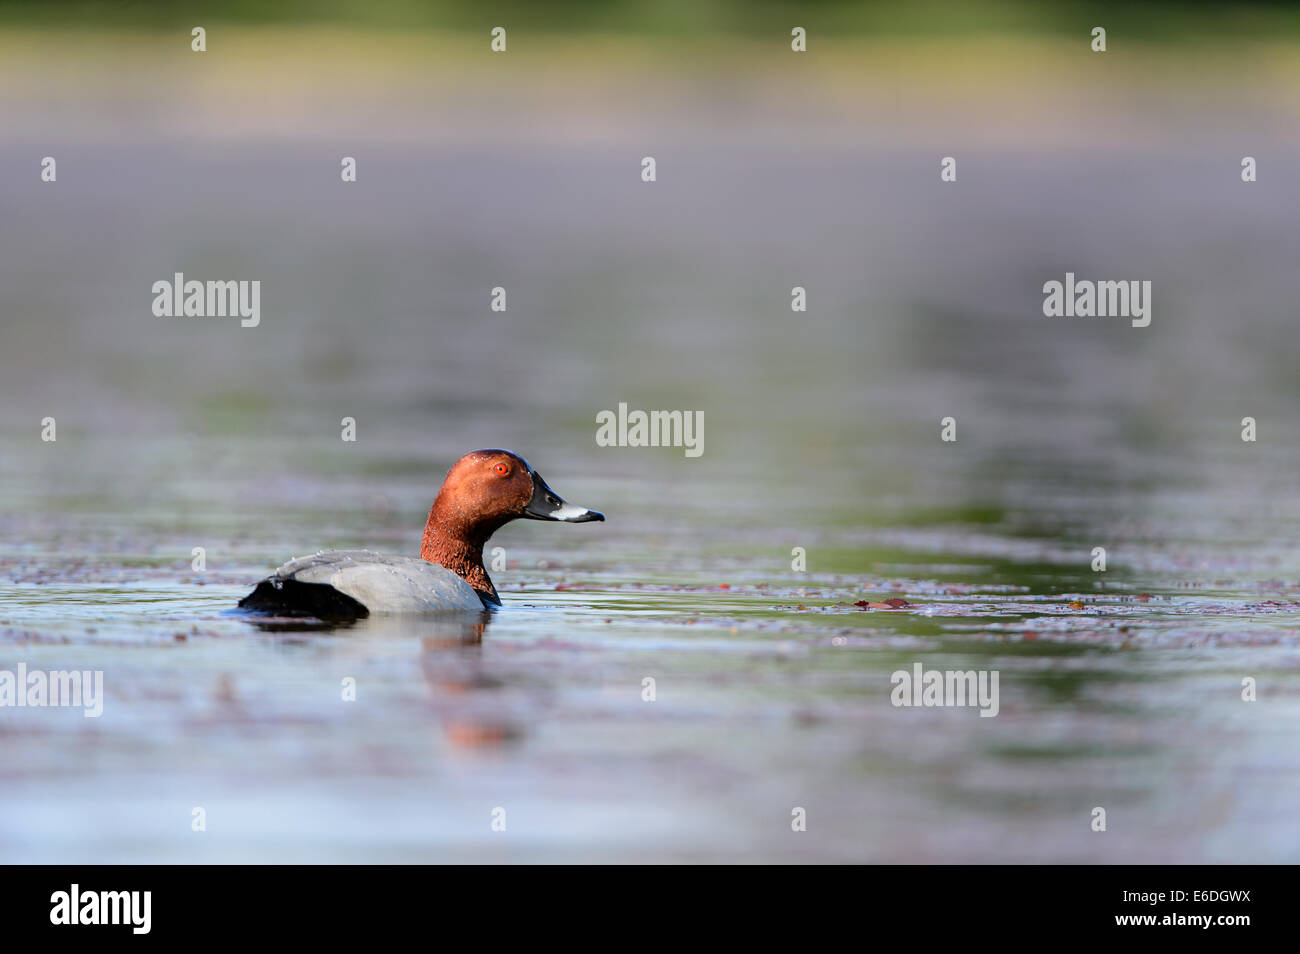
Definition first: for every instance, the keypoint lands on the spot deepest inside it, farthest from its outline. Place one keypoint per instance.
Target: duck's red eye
(501, 468)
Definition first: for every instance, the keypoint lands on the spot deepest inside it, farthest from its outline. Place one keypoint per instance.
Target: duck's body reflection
(464, 693)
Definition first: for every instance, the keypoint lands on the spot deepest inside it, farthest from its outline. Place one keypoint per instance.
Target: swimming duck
(482, 492)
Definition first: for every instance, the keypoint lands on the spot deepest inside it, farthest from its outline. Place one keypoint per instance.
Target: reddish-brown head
(483, 491)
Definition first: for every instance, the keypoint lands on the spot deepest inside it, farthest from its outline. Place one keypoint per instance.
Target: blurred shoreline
(321, 84)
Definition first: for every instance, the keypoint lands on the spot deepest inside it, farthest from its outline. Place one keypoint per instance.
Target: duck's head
(482, 492)
(488, 488)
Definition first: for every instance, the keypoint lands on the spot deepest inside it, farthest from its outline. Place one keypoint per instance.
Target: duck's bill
(548, 505)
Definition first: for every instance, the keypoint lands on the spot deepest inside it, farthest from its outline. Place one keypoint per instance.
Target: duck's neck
(451, 543)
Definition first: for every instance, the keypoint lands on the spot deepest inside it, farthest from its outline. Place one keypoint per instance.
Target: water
(821, 432)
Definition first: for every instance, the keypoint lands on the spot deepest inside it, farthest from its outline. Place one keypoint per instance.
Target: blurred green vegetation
(1153, 20)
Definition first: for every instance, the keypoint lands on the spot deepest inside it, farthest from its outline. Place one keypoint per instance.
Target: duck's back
(361, 583)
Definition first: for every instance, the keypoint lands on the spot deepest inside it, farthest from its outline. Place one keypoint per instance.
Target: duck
(482, 492)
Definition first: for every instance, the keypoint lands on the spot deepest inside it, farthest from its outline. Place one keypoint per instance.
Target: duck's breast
(382, 583)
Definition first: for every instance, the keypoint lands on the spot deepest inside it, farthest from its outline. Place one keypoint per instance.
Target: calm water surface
(772, 688)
